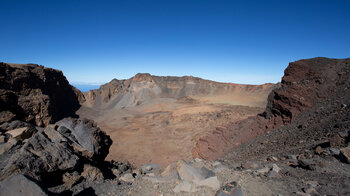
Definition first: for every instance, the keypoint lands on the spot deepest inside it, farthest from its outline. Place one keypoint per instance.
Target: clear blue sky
(230, 41)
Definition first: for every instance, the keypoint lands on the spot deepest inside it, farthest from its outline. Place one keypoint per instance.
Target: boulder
(192, 174)
(19, 185)
(92, 173)
(198, 176)
(94, 142)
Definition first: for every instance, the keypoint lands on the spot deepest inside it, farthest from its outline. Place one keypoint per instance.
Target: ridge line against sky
(248, 42)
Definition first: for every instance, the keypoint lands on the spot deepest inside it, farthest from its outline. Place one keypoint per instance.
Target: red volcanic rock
(304, 83)
(216, 143)
(35, 94)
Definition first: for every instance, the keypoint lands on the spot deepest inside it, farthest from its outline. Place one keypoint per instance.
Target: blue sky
(248, 42)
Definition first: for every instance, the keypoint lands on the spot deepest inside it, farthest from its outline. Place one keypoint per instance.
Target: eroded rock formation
(35, 94)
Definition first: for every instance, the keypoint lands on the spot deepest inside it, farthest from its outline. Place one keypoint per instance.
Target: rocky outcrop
(143, 88)
(94, 141)
(35, 94)
(56, 149)
(37, 155)
(304, 84)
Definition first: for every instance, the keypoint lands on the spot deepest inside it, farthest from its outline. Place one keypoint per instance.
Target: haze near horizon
(249, 42)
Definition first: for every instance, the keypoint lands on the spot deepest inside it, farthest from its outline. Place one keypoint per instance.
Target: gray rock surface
(88, 135)
(54, 149)
(38, 156)
(185, 186)
(19, 185)
(192, 174)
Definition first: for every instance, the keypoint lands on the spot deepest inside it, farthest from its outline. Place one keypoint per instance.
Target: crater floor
(164, 130)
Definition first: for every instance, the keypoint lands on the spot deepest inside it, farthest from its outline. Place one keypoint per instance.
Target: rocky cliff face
(47, 161)
(35, 94)
(143, 88)
(304, 84)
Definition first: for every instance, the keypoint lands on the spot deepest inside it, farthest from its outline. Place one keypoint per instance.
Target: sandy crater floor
(165, 130)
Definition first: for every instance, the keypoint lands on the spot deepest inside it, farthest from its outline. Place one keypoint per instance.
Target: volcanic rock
(185, 186)
(37, 157)
(304, 84)
(70, 179)
(8, 145)
(55, 149)
(230, 189)
(87, 135)
(19, 185)
(35, 94)
(143, 87)
(345, 154)
(92, 173)
(22, 133)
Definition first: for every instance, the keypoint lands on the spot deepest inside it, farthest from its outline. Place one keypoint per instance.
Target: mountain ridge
(163, 86)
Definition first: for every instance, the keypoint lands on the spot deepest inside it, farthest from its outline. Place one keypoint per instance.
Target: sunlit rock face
(35, 94)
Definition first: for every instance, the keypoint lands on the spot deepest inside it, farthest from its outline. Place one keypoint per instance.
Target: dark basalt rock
(88, 135)
(55, 150)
